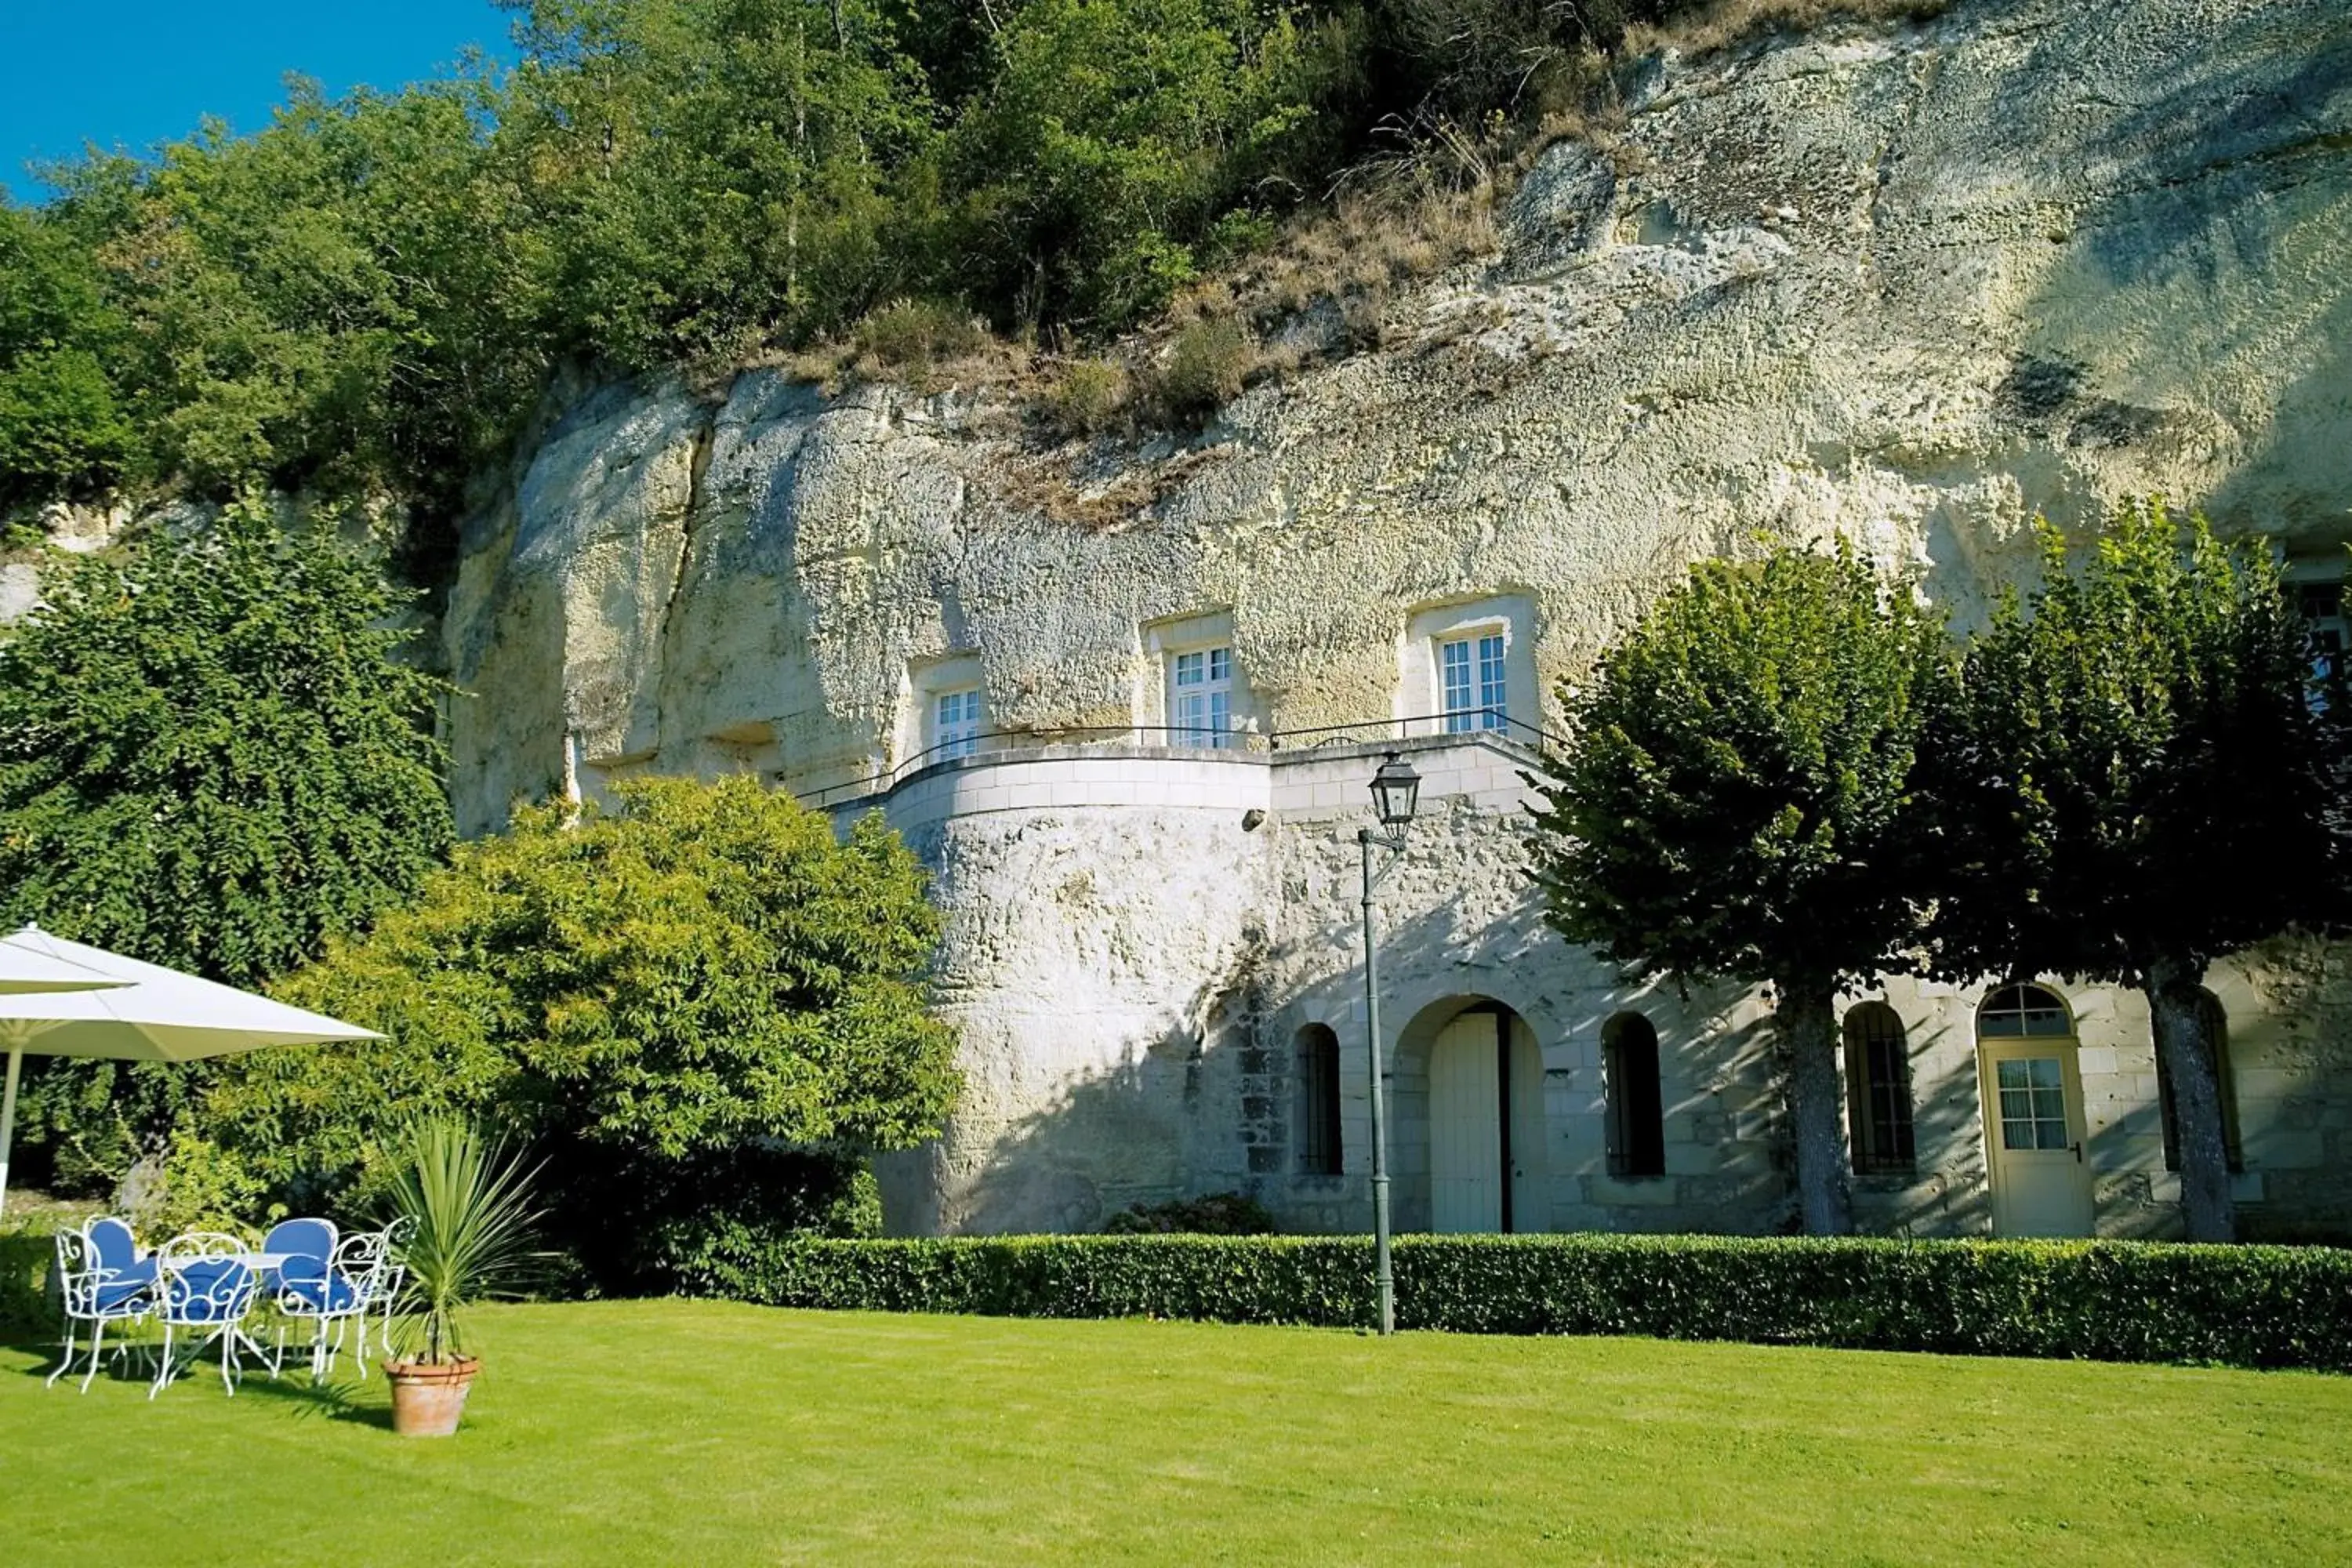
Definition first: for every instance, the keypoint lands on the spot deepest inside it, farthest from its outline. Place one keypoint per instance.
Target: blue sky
(131, 73)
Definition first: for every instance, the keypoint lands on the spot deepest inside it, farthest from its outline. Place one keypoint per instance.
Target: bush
(1205, 367)
(27, 1253)
(652, 994)
(1088, 398)
(1215, 1213)
(2144, 1301)
(914, 334)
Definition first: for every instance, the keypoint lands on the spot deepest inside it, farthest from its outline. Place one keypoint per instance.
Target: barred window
(2217, 1029)
(1878, 1090)
(1319, 1101)
(1637, 1120)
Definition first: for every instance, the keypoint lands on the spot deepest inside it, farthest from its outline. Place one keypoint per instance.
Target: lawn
(676, 1431)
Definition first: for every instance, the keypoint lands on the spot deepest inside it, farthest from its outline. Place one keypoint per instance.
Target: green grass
(677, 1432)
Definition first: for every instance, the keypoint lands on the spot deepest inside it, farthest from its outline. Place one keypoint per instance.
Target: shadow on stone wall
(1214, 1108)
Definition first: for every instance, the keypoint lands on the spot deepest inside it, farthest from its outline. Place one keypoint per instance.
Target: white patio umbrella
(149, 1014)
(27, 971)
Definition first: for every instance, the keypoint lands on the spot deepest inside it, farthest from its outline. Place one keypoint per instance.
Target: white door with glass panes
(1201, 705)
(2034, 1130)
(1471, 683)
(955, 725)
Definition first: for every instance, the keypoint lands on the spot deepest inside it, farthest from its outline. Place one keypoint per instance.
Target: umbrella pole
(8, 1121)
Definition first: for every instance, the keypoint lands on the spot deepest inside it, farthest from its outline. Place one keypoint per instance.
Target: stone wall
(1902, 286)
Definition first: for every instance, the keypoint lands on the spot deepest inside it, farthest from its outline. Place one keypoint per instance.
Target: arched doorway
(2034, 1131)
(1486, 1124)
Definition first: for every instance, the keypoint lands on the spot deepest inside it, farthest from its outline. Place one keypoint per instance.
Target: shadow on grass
(133, 1366)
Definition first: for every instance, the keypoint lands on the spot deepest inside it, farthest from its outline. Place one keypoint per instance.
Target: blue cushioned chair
(98, 1292)
(204, 1285)
(117, 1249)
(324, 1284)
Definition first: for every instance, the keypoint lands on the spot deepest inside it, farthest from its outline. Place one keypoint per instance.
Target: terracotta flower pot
(426, 1400)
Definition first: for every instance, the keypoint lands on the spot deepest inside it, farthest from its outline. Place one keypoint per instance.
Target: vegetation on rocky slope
(370, 293)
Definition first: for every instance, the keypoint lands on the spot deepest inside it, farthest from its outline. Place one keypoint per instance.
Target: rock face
(1903, 287)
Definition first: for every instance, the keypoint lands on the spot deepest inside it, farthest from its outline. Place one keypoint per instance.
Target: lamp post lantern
(1396, 793)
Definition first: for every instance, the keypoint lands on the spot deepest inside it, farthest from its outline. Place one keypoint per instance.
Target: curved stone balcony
(1319, 773)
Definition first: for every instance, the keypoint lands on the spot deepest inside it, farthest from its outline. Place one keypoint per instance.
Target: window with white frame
(955, 724)
(1200, 711)
(1473, 686)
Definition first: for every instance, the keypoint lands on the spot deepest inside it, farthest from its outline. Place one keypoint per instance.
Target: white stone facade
(1138, 936)
(1903, 285)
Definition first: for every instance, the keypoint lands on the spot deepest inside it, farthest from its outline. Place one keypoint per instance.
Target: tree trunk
(2189, 1059)
(1806, 1016)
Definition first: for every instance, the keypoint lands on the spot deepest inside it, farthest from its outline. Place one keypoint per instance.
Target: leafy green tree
(2137, 776)
(1112, 135)
(703, 974)
(716, 175)
(63, 430)
(1736, 801)
(211, 755)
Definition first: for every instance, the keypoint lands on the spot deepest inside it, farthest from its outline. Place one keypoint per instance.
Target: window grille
(2014, 1011)
(1319, 1101)
(2217, 1029)
(1637, 1120)
(1878, 1090)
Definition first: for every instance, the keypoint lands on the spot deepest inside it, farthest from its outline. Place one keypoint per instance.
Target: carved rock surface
(1903, 285)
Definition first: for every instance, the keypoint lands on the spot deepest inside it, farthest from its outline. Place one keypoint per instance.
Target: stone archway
(1470, 1128)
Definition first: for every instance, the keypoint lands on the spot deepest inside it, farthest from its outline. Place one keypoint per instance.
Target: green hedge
(2242, 1306)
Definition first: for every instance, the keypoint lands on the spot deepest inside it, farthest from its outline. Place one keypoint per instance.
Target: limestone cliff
(1906, 286)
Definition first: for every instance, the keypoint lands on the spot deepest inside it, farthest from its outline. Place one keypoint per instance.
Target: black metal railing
(1467, 723)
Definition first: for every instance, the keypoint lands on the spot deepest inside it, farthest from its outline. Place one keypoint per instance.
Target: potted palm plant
(468, 1207)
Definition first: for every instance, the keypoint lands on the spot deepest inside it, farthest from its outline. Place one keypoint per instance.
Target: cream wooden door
(1466, 1133)
(2035, 1137)
(1530, 1193)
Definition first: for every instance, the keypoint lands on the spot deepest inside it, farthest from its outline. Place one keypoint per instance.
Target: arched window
(1637, 1116)
(1319, 1101)
(2016, 1010)
(1878, 1090)
(2217, 1029)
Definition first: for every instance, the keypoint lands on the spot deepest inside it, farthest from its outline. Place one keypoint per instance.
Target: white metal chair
(394, 1277)
(331, 1294)
(98, 1292)
(205, 1285)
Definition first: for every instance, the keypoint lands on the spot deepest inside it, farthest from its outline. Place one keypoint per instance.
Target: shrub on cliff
(690, 983)
(1735, 801)
(212, 756)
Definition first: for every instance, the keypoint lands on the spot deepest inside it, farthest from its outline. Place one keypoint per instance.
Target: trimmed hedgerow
(2242, 1306)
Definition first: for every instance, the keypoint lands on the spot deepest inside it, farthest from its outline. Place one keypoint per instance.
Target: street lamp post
(1396, 789)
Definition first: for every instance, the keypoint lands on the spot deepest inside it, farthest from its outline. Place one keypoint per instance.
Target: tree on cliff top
(1736, 801)
(212, 757)
(2137, 776)
(676, 989)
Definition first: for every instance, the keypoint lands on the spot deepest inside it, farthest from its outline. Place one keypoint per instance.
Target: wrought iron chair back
(397, 1237)
(94, 1288)
(205, 1280)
